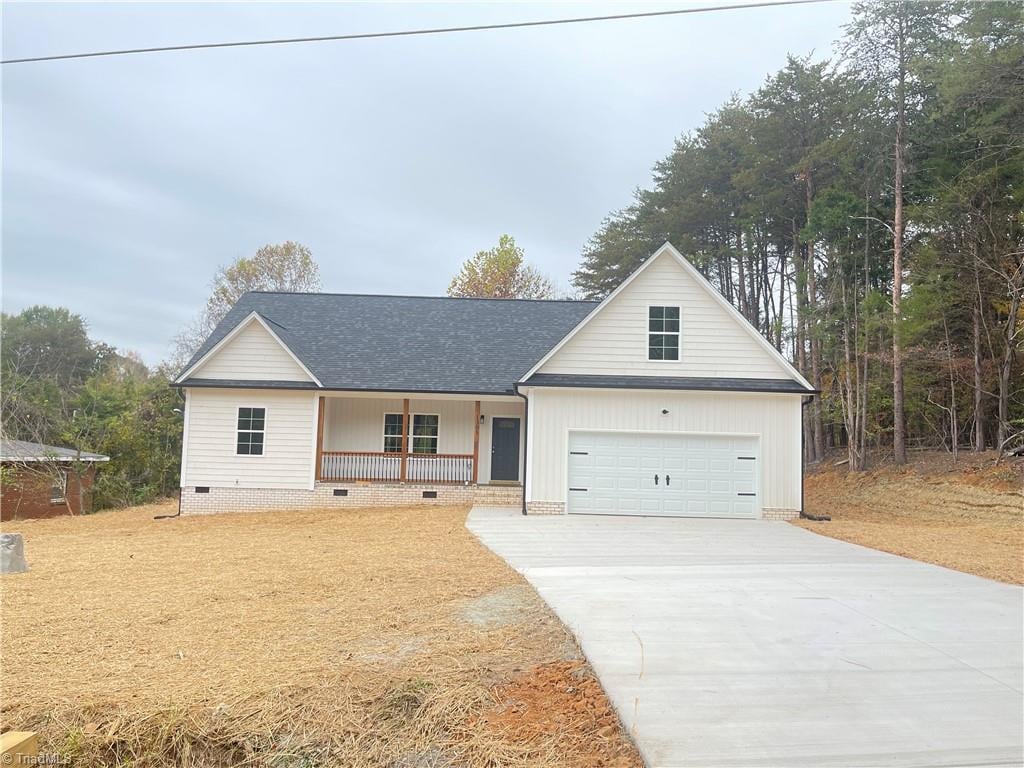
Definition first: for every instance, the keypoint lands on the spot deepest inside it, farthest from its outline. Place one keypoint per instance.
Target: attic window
(251, 422)
(663, 333)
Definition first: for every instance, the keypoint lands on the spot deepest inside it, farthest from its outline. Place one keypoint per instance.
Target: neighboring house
(45, 480)
(660, 400)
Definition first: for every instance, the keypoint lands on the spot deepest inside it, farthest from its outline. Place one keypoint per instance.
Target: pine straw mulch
(385, 637)
(968, 516)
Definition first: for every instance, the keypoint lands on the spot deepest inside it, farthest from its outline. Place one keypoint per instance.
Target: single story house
(45, 480)
(659, 400)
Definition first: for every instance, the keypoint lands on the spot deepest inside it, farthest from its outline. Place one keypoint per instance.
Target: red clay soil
(562, 701)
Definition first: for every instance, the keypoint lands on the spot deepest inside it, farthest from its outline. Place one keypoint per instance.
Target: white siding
(775, 419)
(252, 354)
(713, 343)
(357, 424)
(288, 451)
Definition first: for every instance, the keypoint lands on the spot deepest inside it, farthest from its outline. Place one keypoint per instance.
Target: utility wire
(412, 32)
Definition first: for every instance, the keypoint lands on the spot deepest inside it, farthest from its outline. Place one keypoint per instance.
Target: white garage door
(626, 473)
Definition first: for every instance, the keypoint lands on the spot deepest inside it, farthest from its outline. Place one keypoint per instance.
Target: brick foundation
(359, 495)
(780, 514)
(545, 508)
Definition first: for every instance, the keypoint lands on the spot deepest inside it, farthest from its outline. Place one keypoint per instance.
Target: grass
(358, 638)
(968, 516)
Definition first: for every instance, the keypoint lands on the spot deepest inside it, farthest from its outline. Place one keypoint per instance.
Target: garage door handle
(655, 479)
(668, 480)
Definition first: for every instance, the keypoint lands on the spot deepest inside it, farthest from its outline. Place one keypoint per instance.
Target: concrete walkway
(750, 643)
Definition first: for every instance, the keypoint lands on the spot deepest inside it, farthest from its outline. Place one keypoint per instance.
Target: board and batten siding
(357, 424)
(712, 343)
(288, 443)
(253, 354)
(775, 418)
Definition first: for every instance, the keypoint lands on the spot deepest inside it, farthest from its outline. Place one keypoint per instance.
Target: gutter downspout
(526, 443)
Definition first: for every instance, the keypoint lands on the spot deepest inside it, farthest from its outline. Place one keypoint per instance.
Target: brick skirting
(545, 508)
(780, 514)
(357, 495)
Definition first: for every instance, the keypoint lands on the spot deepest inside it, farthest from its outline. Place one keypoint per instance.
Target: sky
(127, 181)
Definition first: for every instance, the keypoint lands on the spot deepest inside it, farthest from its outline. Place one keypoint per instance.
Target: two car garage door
(625, 473)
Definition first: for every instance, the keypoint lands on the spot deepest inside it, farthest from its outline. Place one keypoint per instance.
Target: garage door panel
(697, 475)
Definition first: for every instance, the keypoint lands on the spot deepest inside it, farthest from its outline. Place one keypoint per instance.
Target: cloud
(127, 181)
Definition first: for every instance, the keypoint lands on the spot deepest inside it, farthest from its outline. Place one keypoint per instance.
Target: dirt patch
(967, 516)
(561, 706)
(284, 638)
(508, 605)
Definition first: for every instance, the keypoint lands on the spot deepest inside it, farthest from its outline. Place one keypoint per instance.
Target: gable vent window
(663, 333)
(251, 423)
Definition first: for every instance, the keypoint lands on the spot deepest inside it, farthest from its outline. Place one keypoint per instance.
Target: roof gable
(250, 351)
(716, 340)
(400, 343)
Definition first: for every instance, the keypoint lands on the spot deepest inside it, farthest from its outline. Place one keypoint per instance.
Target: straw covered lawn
(294, 638)
(968, 516)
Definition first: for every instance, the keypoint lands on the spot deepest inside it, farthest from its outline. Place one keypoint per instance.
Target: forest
(866, 214)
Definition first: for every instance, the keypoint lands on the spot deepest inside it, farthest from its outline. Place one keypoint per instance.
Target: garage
(662, 474)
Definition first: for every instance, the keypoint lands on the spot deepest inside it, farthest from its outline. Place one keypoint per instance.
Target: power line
(411, 32)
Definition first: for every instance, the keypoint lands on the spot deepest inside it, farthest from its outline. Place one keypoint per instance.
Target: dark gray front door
(504, 448)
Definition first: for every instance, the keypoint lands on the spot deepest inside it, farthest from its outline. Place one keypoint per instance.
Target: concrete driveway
(750, 643)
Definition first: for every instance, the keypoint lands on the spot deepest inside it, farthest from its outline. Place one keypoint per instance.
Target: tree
(287, 267)
(45, 352)
(501, 273)
(865, 218)
(887, 42)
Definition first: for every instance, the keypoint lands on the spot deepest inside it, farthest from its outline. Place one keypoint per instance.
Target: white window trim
(409, 437)
(437, 439)
(266, 418)
(384, 435)
(648, 332)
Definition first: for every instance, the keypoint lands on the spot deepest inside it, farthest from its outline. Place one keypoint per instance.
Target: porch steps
(498, 495)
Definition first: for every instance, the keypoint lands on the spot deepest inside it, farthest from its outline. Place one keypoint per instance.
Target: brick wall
(25, 493)
(358, 495)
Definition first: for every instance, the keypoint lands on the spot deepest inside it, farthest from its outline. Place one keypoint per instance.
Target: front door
(504, 448)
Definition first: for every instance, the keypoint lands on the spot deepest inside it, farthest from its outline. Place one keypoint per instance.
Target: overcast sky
(128, 180)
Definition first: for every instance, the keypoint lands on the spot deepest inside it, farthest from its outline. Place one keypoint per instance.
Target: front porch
(441, 440)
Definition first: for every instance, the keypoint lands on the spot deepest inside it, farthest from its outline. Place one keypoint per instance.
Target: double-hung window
(59, 489)
(392, 433)
(663, 333)
(251, 423)
(422, 435)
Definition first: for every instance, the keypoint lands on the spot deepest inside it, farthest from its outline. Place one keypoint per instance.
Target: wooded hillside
(866, 215)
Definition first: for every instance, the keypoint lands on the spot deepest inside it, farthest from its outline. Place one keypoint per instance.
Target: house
(45, 480)
(659, 400)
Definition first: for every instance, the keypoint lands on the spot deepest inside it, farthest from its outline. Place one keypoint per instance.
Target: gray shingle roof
(410, 343)
(666, 382)
(22, 450)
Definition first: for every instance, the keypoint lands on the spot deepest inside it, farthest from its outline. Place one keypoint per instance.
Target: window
(424, 433)
(422, 436)
(392, 433)
(59, 489)
(663, 333)
(250, 431)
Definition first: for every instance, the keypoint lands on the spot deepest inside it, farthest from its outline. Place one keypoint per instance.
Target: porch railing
(384, 467)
